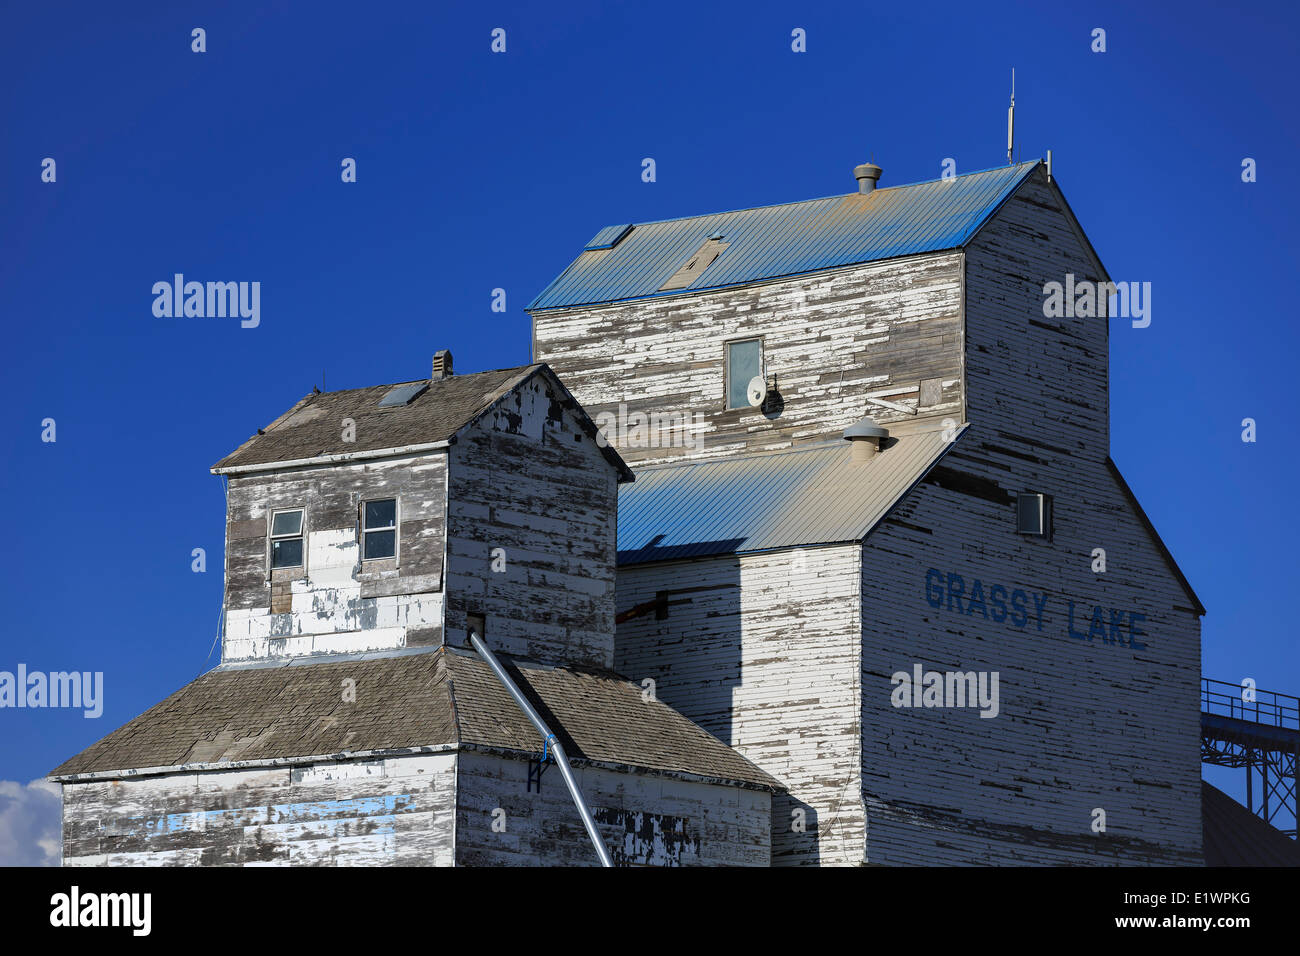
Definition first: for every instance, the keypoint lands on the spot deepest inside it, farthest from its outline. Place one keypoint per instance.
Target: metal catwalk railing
(1258, 731)
(1226, 699)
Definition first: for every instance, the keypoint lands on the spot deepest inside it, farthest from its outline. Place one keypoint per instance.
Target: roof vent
(867, 174)
(866, 436)
(441, 364)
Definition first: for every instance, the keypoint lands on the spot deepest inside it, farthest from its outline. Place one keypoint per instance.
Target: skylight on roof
(402, 394)
(608, 237)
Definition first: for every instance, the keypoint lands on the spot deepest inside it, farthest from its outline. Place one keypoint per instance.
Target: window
(744, 361)
(286, 539)
(1034, 514)
(379, 529)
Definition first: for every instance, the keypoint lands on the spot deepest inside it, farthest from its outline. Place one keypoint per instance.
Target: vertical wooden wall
(828, 340)
(764, 652)
(336, 603)
(391, 812)
(526, 480)
(1086, 721)
(645, 819)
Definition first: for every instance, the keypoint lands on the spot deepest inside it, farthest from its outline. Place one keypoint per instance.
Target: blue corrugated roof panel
(792, 239)
(817, 495)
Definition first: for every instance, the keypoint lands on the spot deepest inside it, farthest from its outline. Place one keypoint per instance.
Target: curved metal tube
(561, 758)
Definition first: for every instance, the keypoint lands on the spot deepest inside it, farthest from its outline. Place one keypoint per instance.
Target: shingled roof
(312, 428)
(446, 698)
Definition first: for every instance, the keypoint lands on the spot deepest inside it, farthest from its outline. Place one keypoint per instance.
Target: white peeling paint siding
(829, 340)
(527, 480)
(336, 603)
(398, 811)
(645, 819)
(418, 810)
(264, 645)
(763, 651)
(1083, 724)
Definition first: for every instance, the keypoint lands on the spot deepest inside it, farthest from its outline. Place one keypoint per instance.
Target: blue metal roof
(787, 240)
(817, 495)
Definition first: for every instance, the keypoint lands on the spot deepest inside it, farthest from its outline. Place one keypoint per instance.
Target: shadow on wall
(796, 832)
(773, 405)
(682, 630)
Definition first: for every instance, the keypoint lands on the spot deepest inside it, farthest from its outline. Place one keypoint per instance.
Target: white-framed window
(286, 538)
(379, 529)
(1034, 514)
(744, 361)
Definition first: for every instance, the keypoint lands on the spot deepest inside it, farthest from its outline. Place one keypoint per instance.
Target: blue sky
(479, 171)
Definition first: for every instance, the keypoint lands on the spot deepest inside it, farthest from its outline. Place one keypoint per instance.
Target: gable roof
(313, 428)
(815, 495)
(791, 239)
(1168, 555)
(446, 698)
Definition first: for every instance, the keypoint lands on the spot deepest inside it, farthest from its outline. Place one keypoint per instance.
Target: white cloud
(29, 823)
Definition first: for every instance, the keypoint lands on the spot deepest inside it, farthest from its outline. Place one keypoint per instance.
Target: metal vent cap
(866, 437)
(867, 175)
(867, 428)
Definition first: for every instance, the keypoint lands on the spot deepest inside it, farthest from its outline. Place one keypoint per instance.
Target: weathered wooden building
(877, 594)
(962, 642)
(350, 722)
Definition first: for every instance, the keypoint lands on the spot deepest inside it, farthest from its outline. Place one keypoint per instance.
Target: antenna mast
(1011, 117)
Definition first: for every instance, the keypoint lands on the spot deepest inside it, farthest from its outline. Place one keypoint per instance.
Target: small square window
(286, 523)
(744, 362)
(1034, 514)
(379, 529)
(286, 539)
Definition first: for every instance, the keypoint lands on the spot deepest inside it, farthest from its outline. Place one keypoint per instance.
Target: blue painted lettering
(934, 588)
(1020, 617)
(999, 612)
(956, 588)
